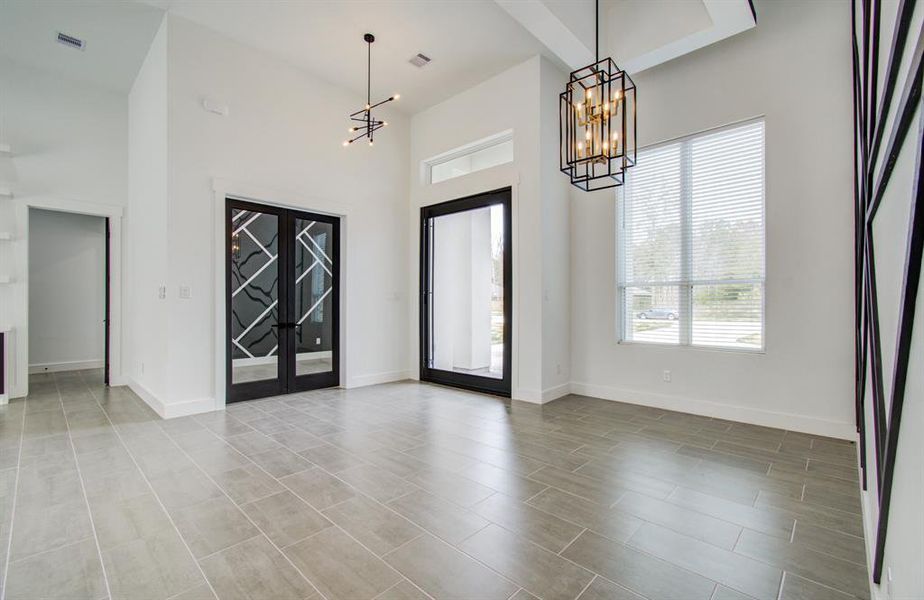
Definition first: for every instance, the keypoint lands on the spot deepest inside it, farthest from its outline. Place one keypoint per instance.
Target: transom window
(690, 253)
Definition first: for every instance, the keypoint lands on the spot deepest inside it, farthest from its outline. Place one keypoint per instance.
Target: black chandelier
(597, 123)
(367, 124)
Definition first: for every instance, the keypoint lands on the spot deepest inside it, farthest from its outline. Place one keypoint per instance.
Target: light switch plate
(185, 292)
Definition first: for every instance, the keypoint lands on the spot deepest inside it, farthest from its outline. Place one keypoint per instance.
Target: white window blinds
(691, 241)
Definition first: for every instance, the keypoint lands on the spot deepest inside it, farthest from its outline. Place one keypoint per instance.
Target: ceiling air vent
(70, 41)
(419, 60)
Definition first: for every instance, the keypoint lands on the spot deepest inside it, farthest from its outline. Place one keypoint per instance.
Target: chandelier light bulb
(396, 96)
(370, 142)
(384, 123)
(346, 143)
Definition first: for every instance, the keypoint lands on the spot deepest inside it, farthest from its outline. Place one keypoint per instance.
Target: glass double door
(282, 300)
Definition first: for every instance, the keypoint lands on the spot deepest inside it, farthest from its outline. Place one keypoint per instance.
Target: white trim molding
(706, 408)
(73, 365)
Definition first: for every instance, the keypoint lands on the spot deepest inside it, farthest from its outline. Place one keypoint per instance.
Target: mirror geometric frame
(876, 152)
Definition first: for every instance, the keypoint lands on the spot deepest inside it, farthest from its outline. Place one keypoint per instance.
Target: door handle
(286, 325)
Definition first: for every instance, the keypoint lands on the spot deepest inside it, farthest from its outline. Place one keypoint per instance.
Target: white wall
(794, 69)
(67, 285)
(510, 100)
(281, 143)
(69, 149)
(146, 222)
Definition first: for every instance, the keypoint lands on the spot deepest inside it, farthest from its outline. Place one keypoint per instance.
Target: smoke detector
(71, 41)
(420, 60)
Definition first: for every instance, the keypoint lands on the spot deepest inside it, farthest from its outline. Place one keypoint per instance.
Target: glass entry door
(466, 290)
(282, 300)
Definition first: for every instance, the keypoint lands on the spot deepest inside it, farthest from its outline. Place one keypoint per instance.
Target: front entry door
(282, 300)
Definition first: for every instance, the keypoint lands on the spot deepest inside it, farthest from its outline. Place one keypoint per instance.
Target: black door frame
(478, 383)
(287, 380)
(106, 301)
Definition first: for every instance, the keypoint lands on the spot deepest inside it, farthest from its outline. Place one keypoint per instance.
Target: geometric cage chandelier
(597, 123)
(366, 123)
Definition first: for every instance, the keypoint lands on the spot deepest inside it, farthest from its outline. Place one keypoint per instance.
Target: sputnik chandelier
(367, 125)
(597, 123)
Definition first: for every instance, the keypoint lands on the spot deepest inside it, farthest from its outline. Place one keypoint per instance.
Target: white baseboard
(542, 396)
(74, 365)
(170, 410)
(742, 414)
(376, 378)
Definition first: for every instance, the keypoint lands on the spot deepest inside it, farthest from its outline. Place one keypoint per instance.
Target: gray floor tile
(772, 523)
(123, 521)
(317, 488)
(444, 572)
(738, 572)
(67, 572)
(281, 462)
(797, 588)
(805, 562)
(601, 589)
(541, 572)
(449, 521)
(525, 520)
(331, 458)
(340, 567)
(403, 590)
(685, 485)
(184, 487)
(285, 518)
(213, 525)
(255, 569)
(247, 483)
(688, 522)
(616, 525)
(157, 565)
(648, 576)
(375, 526)
(374, 482)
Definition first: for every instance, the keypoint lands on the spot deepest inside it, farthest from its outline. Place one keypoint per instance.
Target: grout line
(238, 507)
(9, 543)
(792, 534)
(589, 583)
(568, 545)
(779, 593)
(83, 490)
(403, 579)
(147, 481)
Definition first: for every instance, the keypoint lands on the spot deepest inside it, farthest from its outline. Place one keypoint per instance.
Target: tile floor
(407, 491)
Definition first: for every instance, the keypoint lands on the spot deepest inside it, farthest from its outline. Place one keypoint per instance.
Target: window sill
(724, 350)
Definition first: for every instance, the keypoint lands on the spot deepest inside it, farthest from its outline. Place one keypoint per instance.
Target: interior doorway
(466, 285)
(68, 292)
(282, 300)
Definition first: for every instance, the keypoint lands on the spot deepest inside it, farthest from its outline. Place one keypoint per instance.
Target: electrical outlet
(162, 292)
(557, 369)
(185, 292)
(666, 376)
(317, 341)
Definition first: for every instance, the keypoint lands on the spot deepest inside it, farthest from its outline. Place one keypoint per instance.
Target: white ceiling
(118, 36)
(468, 40)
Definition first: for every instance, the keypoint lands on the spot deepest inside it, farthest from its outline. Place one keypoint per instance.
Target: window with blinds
(691, 242)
